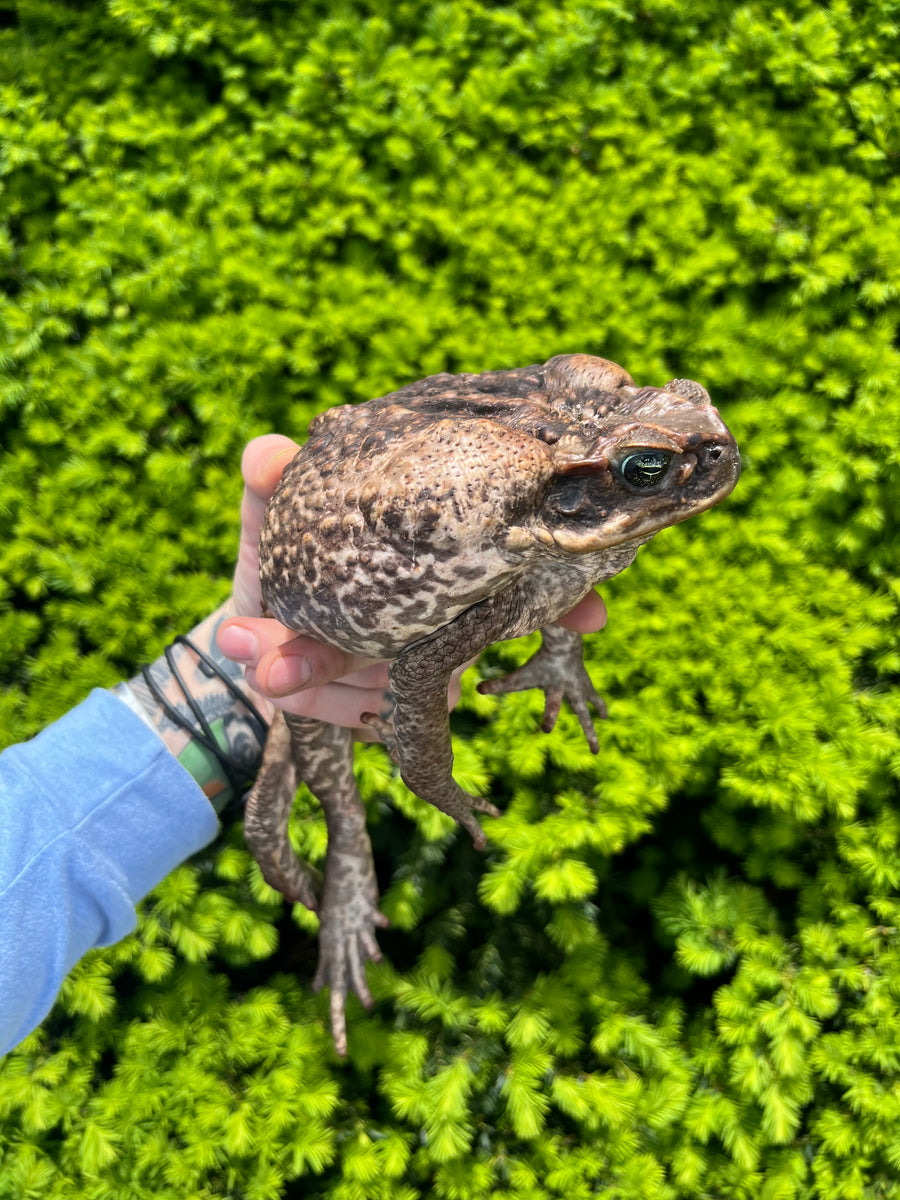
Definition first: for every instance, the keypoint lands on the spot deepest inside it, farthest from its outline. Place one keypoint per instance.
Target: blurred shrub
(676, 973)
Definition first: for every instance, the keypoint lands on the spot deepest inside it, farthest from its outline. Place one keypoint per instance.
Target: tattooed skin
(235, 727)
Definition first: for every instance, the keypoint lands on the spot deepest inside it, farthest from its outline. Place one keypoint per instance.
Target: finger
(303, 664)
(335, 703)
(364, 733)
(342, 700)
(262, 465)
(283, 666)
(287, 661)
(587, 616)
(342, 703)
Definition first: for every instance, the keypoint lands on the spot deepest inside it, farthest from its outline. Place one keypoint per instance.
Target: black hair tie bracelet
(234, 770)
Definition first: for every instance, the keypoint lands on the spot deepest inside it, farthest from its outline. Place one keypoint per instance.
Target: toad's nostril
(714, 452)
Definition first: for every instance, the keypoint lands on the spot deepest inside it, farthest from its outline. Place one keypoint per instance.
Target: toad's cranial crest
(423, 526)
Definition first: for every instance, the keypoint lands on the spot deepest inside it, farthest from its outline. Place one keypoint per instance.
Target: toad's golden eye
(644, 468)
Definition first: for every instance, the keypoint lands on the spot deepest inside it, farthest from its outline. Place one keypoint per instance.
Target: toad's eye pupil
(646, 467)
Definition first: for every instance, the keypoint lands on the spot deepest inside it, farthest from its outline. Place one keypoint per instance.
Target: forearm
(95, 812)
(211, 701)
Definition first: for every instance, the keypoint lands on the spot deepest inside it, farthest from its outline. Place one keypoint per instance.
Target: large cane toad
(425, 525)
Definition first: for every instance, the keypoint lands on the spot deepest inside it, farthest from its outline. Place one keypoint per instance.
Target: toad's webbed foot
(558, 669)
(347, 936)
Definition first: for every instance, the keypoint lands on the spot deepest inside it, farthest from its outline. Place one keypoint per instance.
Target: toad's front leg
(558, 669)
(418, 738)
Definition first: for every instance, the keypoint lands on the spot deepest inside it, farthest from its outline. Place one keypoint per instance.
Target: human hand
(294, 671)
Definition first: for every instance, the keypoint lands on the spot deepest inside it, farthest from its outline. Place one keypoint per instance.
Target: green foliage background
(676, 972)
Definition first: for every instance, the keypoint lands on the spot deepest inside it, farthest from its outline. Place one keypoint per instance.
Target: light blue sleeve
(94, 812)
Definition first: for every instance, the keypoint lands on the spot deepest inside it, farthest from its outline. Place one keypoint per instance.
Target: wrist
(201, 706)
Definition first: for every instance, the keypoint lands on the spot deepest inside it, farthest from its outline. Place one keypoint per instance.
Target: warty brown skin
(422, 527)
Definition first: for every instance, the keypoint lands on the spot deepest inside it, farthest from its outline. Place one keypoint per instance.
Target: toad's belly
(372, 600)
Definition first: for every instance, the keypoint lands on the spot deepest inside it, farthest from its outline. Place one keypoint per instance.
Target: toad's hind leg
(266, 820)
(322, 756)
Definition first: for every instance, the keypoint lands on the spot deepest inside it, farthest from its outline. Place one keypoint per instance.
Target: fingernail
(282, 457)
(239, 643)
(288, 675)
